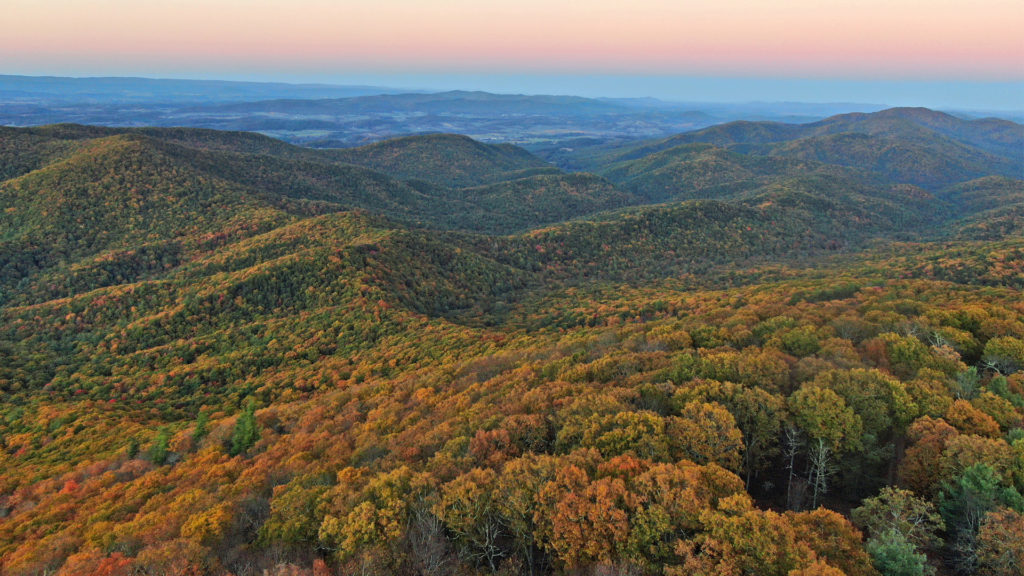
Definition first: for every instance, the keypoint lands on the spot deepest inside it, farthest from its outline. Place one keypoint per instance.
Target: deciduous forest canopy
(757, 348)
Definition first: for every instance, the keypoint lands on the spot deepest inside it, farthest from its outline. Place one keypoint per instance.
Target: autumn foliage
(200, 377)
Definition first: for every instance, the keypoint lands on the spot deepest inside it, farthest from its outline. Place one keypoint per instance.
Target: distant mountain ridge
(451, 102)
(1002, 137)
(902, 146)
(142, 90)
(342, 116)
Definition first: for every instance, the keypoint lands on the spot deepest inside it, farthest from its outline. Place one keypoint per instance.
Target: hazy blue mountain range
(150, 91)
(332, 116)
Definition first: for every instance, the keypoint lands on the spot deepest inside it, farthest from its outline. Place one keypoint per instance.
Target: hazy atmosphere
(942, 53)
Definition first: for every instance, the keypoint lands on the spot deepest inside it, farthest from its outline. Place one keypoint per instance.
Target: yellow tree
(467, 506)
(706, 433)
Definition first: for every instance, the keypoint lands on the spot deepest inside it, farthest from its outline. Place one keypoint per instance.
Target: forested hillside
(759, 349)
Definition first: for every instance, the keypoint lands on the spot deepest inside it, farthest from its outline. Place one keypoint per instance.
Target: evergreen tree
(965, 501)
(202, 427)
(246, 431)
(894, 555)
(158, 453)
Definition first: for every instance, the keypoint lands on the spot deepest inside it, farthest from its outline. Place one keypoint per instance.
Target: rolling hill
(697, 171)
(124, 204)
(994, 135)
(904, 146)
(157, 186)
(907, 123)
(445, 160)
(932, 164)
(223, 354)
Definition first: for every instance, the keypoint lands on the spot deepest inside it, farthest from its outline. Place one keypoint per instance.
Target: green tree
(202, 427)
(967, 384)
(823, 415)
(639, 433)
(802, 341)
(885, 409)
(159, 451)
(246, 431)
(964, 502)
(894, 555)
(900, 510)
(906, 354)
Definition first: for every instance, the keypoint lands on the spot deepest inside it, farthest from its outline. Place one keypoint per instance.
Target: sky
(811, 50)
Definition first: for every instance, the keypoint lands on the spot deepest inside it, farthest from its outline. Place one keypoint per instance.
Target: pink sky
(921, 39)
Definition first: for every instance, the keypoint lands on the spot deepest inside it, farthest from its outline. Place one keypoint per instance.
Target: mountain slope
(521, 203)
(991, 208)
(222, 355)
(118, 193)
(932, 163)
(445, 160)
(108, 206)
(22, 151)
(996, 136)
(901, 146)
(797, 218)
(295, 180)
(93, 207)
(993, 135)
(697, 171)
(985, 193)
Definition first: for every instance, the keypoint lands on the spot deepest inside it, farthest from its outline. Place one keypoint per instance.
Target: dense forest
(755, 349)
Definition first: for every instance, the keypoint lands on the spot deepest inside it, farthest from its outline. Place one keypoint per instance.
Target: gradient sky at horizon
(973, 43)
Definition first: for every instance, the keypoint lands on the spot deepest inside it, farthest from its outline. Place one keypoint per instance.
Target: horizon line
(410, 85)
